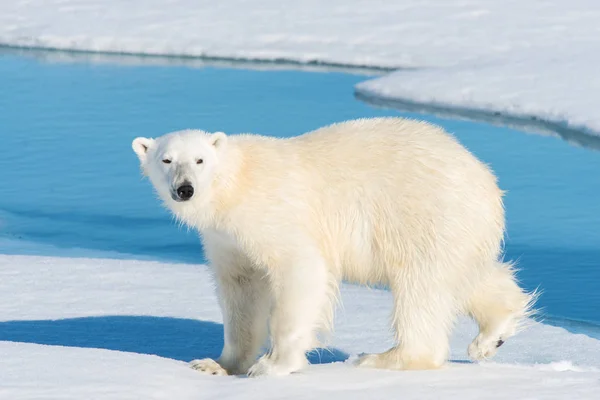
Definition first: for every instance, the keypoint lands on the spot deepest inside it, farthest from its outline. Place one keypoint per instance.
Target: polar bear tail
(500, 308)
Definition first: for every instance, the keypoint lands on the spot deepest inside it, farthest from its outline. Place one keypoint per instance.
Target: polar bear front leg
(300, 291)
(245, 302)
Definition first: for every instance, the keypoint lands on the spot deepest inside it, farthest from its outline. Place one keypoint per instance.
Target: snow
(521, 59)
(563, 94)
(73, 328)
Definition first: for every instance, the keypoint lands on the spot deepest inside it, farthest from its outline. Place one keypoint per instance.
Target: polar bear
(381, 201)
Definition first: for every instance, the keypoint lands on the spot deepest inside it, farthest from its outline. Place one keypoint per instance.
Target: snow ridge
(521, 59)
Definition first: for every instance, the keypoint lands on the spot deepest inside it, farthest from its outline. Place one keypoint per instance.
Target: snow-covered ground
(536, 58)
(82, 328)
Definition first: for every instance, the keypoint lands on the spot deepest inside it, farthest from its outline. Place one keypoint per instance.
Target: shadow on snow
(175, 338)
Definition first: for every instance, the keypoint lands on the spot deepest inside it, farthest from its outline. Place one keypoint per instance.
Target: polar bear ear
(141, 145)
(218, 139)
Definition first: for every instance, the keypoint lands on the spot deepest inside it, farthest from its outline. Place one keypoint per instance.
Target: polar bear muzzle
(184, 192)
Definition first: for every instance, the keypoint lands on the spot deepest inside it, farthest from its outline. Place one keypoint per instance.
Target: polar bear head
(181, 165)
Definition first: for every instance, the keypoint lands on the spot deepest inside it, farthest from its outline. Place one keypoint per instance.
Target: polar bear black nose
(185, 192)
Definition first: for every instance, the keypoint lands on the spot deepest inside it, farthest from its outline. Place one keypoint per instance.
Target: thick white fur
(383, 201)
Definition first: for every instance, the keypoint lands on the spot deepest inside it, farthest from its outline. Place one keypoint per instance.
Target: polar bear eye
(166, 161)
(199, 161)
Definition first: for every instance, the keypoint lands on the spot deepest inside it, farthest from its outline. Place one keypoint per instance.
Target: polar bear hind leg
(423, 316)
(500, 307)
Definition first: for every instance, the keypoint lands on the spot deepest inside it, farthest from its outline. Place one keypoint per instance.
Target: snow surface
(75, 328)
(520, 58)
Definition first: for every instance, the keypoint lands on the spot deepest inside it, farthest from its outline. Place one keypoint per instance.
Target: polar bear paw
(484, 347)
(393, 361)
(208, 366)
(267, 366)
(379, 361)
(368, 361)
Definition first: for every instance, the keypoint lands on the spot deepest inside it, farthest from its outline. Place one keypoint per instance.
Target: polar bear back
(383, 192)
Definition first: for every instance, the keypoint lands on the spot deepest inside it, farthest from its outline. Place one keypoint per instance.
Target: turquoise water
(69, 178)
